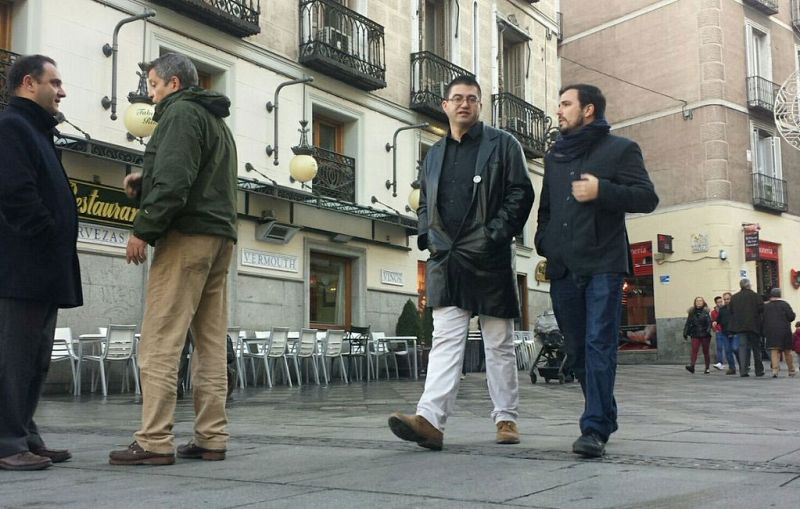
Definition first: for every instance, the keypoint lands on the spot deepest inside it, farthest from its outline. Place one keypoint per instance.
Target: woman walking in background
(698, 327)
(777, 328)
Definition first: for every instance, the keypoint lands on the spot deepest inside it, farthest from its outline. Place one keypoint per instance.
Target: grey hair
(174, 64)
(744, 283)
(775, 292)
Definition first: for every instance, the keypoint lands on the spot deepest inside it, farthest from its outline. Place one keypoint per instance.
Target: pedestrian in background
(476, 195)
(746, 308)
(698, 327)
(591, 180)
(716, 328)
(777, 329)
(39, 271)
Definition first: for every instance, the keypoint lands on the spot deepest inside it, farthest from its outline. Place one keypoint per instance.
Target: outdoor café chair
(304, 350)
(332, 349)
(117, 346)
(62, 351)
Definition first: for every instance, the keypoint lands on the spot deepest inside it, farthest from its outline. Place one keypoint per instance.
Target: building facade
(340, 249)
(695, 84)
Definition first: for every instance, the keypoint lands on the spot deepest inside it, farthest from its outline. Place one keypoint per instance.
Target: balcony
(235, 17)
(796, 15)
(525, 121)
(430, 75)
(336, 175)
(342, 43)
(770, 193)
(768, 7)
(761, 94)
(6, 59)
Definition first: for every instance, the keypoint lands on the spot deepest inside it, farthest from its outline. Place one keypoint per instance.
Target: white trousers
(450, 328)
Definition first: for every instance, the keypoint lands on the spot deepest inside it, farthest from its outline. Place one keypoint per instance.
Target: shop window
(767, 273)
(638, 330)
(330, 292)
(422, 300)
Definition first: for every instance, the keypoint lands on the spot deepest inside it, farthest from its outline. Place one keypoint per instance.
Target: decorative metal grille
(305, 198)
(770, 193)
(526, 122)
(342, 43)
(795, 6)
(768, 7)
(236, 17)
(761, 93)
(430, 75)
(336, 175)
(6, 59)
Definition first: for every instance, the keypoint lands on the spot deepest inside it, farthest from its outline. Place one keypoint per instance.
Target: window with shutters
(766, 152)
(436, 38)
(5, 25)
(759, 58)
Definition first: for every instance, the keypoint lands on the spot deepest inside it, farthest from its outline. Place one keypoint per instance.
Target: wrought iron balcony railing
(6, 59)
(342, 43)
(336, 175)
(768, 7)
(525, 121)
(761, 94)
(430, 75)
(796, 15)
(770, 193)
(235, 17)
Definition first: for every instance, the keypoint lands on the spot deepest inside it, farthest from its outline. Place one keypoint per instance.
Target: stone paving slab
(702, 441)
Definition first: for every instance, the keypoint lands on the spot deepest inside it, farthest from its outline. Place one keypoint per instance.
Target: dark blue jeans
(588, 310)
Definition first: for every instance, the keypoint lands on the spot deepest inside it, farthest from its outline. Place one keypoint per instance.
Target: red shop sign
(642, 256)
(768, 251)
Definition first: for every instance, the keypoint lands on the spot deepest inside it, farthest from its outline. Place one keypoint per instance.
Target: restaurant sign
(265, 260)
(103, 204)
(103, 235)
(391, 277)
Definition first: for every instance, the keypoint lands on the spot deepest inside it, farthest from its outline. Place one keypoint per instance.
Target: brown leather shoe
(25, 460)
(135, 455)
(195, 452)
(507, 432)
(416, 428)
(55, 455)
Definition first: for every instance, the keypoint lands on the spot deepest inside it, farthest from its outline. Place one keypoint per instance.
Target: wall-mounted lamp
(111, 51)
(723, 255)
(249, 167)
(414, 195)
(138, 117)
(392, 184)
(274, 106)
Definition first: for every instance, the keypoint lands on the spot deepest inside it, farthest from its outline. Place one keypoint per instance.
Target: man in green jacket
(187, 210)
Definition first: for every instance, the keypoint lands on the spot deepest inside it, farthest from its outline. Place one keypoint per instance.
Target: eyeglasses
(459, 99)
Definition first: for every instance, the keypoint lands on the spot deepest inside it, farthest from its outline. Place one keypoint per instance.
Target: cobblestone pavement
(685, 441)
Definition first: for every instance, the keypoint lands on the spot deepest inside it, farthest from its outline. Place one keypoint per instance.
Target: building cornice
(649, 117)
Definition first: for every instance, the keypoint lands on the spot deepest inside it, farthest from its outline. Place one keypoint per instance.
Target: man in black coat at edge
(475, 197)
(746, 309)
(39, 270)
(591, 180)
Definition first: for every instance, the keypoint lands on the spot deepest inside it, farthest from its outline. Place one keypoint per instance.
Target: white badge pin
(476, 179)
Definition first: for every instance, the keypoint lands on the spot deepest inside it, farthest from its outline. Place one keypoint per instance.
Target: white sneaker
(718, 365)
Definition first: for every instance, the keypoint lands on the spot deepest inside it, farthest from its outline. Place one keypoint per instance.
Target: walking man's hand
(586, 188)
(136, 251)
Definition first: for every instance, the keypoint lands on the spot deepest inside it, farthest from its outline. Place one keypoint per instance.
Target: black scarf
(573, 145)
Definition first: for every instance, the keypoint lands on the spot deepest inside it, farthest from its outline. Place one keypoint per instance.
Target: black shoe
(744, 375)
(589, 445)
(55, 455)
(760, 374)
(690, 369)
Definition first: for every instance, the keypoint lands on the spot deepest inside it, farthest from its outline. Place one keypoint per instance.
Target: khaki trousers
(187, 288)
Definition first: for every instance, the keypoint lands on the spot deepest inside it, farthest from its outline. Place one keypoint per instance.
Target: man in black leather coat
(475, 197)
(591, 180)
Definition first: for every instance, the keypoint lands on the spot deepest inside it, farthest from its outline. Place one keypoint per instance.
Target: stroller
(551, 358)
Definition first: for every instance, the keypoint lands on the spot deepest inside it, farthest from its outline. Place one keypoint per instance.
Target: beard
(571, 128)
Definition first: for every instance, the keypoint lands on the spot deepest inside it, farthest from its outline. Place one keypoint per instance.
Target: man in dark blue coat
(475, 197)
(39, 270)
(591, 180)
